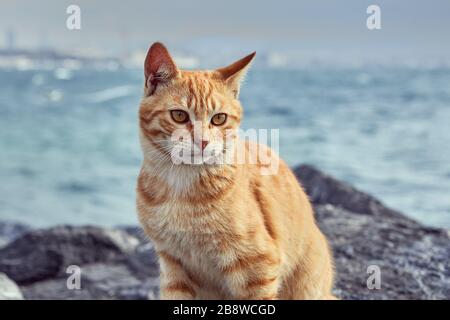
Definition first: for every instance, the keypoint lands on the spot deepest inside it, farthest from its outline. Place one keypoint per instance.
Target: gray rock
(324, 189)
(114, 264)
(44, 254)
(119, 282)
(414, 260)
(55, 289)
(97, 281)
(144, 262)
(9, 289)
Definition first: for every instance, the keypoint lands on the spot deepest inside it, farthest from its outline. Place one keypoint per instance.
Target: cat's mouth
(196, 156)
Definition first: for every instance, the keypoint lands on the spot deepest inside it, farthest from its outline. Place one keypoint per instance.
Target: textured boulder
(98, 281)
(324, 189)
(412, 259)
(46, 253)
(413, 262)
(113, 263)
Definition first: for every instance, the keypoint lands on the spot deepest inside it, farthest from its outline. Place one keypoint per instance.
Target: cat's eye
(219, 119)
(179, 116)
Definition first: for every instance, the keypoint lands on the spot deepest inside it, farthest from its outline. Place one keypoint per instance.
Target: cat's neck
(183, 179)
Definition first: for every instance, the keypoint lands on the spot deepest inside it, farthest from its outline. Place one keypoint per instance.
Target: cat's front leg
(253, 277)
(175, 283)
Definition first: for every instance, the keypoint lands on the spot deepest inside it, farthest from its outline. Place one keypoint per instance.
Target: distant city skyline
(410, 29)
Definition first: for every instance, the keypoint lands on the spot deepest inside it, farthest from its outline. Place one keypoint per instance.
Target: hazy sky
(409, 27)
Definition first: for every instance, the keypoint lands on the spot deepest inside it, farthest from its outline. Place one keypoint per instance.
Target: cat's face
(189, 116)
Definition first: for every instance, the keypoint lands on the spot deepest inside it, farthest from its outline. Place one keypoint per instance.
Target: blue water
(70, 152)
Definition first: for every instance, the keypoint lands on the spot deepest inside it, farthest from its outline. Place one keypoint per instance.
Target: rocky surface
(413, 260)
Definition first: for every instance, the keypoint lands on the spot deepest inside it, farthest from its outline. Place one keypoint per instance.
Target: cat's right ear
(159, 68)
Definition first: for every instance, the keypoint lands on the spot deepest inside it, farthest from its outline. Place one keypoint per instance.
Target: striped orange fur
(222, 231)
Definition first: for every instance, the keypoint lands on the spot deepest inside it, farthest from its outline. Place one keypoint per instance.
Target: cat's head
(189, 113)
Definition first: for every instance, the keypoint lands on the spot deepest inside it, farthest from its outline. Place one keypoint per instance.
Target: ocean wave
(112, 94)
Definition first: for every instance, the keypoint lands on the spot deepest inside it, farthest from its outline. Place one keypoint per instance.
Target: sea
(69, 150)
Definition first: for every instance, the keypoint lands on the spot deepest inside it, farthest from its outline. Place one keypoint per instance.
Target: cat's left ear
(235, 73)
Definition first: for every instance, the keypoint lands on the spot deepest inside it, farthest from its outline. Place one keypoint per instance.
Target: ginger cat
(221, 231)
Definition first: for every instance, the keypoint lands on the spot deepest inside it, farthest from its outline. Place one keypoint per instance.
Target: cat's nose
(204, 144)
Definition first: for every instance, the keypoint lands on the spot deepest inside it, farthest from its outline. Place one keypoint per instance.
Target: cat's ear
(159, 68)
(235, 73)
